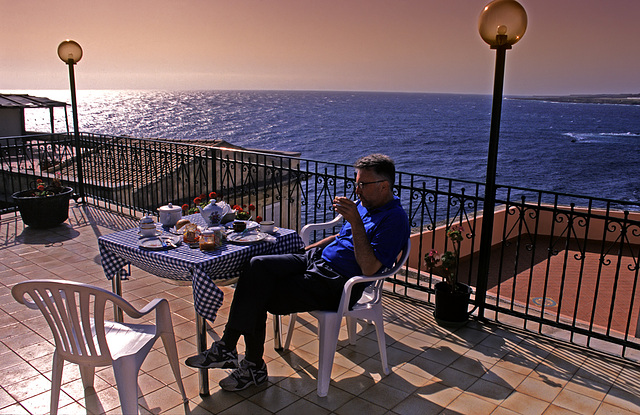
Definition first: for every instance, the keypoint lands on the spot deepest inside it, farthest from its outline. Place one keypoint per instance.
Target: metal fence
(562, 265)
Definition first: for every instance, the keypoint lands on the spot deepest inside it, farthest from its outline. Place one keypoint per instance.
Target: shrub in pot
(452, 297)
(44, 206)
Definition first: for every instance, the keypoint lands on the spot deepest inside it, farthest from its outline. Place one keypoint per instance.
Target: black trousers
(279, 284)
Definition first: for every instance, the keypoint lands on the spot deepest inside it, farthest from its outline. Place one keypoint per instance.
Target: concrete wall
(11, 122)
(598, 228)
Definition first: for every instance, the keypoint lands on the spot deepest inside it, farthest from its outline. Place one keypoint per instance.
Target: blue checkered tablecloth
(184, 263)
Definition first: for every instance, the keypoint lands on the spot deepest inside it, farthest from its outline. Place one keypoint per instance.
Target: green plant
(242, 214)
(40, 189)
(449, 260)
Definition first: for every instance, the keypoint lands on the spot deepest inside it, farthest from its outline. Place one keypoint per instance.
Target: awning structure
(12, 108)
(28, 101)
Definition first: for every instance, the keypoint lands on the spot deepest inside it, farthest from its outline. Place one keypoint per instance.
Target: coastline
(615, 99)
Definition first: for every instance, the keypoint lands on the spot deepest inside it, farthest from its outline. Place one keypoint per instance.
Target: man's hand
(348, 209)
(363, 251)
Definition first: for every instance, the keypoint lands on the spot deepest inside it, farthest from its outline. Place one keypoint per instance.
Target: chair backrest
(75, 314)
(372, 295)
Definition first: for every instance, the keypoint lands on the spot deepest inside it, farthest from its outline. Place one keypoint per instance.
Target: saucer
(158, 233)
(248, 238)
(157, 243)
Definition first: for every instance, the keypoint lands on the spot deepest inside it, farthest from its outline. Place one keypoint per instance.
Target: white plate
(248, 238)
(156, 243)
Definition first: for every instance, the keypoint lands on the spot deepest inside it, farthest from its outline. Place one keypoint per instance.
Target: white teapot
(216, 213)
(170, 215)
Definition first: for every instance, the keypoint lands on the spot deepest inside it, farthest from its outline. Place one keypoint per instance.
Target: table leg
(201, 344)
(116, 287)
(277, 332)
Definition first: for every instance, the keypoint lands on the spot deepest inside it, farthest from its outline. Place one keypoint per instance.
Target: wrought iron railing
(561, 264)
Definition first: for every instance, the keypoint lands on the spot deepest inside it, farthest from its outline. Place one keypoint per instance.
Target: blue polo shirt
(387, 228)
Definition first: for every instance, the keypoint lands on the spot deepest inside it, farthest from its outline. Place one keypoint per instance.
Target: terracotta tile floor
(479, 368)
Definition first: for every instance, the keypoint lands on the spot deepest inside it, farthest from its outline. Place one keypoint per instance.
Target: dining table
(206, 270)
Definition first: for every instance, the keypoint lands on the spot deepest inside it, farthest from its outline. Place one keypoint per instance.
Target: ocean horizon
(576, 148)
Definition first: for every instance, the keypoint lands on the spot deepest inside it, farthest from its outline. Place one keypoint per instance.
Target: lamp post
(70, 53)
(502, 23)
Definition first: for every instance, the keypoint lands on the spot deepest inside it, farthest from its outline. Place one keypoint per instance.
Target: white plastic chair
(75, 313)
(369, 307)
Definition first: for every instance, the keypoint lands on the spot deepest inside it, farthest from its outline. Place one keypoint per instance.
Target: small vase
(43, 212)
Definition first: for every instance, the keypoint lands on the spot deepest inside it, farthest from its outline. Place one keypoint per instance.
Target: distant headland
(618, 99)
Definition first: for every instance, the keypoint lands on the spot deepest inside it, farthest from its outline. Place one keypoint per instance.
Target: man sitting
(374, 232)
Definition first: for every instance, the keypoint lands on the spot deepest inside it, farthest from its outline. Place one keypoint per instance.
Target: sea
(581, 149)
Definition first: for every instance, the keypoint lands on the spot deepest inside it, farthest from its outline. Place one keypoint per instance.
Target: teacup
(147, 229)
(267, 226)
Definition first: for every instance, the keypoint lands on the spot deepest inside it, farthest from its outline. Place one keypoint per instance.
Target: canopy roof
(28, 101)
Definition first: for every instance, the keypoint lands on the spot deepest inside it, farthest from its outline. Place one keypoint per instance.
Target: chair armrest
(305, 232)
(157, 305)
(351, 282)
(361, 279)
(152, 305)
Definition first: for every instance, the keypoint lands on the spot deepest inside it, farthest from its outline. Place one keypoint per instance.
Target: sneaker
(248, 374)
(216, 357)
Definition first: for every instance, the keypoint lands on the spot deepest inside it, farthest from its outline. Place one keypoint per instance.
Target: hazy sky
(571, 46)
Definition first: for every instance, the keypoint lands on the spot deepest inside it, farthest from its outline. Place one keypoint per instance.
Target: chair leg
(351, 329)
(56, 381)
(292, 323)
(126, 371)
(169, 341)
(328, 330)
(382, 342)
(277, 332)
(87, 373)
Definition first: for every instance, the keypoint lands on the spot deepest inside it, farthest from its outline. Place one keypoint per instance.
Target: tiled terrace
(478, 369)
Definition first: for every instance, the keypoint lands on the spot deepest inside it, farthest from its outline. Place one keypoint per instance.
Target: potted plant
(44, 206)
(242, 214)
(452, 296)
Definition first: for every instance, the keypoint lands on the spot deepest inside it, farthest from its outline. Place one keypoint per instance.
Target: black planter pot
(43, 212)
(452, 307)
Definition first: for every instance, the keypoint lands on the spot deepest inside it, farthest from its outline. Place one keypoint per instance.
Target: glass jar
(211, 239)
(191, 233)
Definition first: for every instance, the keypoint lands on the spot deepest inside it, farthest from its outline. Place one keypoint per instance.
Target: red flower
(39, 181)
(41, 187)
(197, 200)
(185, 207)
(258, 219)
(213, 195)
(252, 207)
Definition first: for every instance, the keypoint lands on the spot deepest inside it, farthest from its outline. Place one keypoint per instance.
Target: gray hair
(381, 164)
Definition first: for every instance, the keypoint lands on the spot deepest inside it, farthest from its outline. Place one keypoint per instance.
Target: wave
(612, 138)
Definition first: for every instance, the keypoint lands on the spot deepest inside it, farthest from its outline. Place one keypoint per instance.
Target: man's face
(371, 189)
